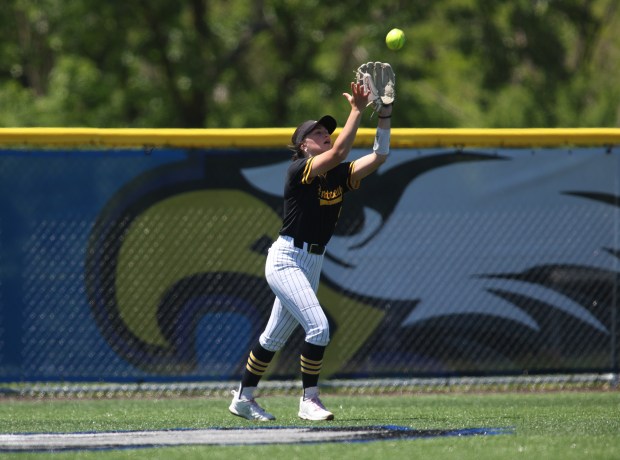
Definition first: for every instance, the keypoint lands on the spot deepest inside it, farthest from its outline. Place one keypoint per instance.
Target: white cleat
(248, 409)
(313, 409)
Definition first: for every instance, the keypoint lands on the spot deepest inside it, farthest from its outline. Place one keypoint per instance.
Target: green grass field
(553, 425)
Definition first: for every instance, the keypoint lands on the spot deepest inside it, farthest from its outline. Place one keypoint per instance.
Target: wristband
(387, 116)
(382, 141)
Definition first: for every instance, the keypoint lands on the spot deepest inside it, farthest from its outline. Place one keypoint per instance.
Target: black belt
(310, 247)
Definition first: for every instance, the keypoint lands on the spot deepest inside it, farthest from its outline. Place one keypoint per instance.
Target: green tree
(199, 63)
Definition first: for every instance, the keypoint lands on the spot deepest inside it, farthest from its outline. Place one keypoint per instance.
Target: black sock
(257, 364)
(311, 363)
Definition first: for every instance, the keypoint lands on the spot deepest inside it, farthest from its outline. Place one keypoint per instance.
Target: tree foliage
(213, 63)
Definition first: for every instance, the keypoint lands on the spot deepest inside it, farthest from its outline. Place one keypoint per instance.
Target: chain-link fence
(147, 268)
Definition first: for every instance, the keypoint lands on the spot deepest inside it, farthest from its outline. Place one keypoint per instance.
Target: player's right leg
(303, 305)
(243, 403)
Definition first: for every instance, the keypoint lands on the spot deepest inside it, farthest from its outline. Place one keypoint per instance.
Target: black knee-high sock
(311, 363)
(257, 364)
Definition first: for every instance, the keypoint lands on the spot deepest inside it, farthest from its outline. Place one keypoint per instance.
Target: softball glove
(379, 79)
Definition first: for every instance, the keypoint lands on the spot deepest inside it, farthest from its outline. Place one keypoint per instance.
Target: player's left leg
(310, 405)
(302, 307)
(302, 303)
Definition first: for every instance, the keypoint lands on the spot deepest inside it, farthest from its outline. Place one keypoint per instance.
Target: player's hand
(358, 97)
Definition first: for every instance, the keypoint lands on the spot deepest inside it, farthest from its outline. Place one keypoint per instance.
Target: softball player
(315, 184)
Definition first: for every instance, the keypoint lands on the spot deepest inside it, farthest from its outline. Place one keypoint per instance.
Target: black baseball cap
(306, 127)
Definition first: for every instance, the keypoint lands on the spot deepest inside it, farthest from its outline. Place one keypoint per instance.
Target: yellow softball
(395, 39)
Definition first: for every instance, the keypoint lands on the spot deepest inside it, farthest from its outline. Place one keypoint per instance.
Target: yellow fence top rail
(281, 137)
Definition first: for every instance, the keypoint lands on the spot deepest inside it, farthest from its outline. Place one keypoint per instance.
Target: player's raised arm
(335, 155)
(368, 164)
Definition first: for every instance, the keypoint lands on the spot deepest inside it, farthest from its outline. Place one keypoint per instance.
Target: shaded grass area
(555, 425)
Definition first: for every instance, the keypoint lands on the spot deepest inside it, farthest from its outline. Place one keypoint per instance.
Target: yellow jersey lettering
(330, 197)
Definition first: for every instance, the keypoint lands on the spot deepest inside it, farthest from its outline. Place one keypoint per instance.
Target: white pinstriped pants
(293, 275)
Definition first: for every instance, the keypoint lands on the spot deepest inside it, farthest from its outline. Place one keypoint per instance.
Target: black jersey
(312, 205)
